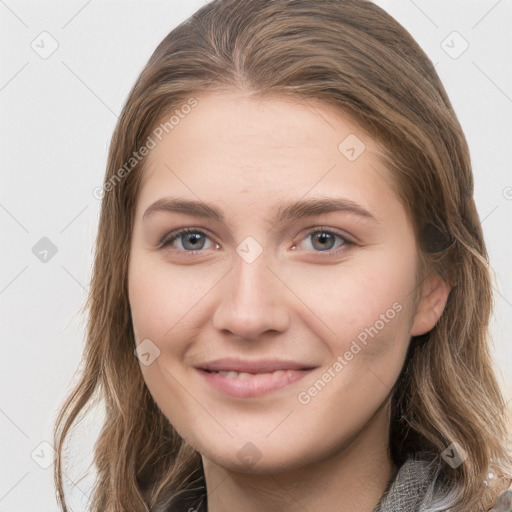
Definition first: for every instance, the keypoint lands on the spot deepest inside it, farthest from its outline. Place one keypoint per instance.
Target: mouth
(251, 379)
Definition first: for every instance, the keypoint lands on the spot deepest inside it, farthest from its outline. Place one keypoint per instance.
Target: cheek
(369, 312)
(161, 297)
(365, 310)
(371, 290)
(151, 307)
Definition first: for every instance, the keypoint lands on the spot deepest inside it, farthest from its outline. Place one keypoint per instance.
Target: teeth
(244, 375)
(227, 373)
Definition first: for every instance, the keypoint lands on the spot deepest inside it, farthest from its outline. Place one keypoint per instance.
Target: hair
(352, 56)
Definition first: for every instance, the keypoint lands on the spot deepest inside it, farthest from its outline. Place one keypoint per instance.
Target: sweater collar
(412, 488)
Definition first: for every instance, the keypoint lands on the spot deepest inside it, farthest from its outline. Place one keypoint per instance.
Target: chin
(276, 463)
(259, 456)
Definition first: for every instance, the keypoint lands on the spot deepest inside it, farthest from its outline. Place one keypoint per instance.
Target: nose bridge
(251, 299)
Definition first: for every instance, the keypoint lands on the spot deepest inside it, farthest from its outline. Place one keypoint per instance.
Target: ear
(433, 296)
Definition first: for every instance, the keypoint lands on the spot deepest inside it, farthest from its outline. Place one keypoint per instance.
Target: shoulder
(504, 500)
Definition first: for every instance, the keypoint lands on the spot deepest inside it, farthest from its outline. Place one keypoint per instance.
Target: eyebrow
(288, 211)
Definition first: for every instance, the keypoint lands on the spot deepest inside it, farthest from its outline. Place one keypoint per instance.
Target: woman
(291, 292)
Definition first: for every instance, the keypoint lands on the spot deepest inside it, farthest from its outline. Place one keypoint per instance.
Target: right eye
(192, 240)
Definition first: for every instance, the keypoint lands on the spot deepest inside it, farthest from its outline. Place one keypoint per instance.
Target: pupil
(192, 238)
(323, 237)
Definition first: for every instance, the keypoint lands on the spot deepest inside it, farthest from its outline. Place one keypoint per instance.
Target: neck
(352, 479)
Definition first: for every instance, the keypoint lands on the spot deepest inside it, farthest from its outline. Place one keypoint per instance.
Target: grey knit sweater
(416, 487)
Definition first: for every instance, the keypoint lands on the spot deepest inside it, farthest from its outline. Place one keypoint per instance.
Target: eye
(323, 241)
(191, 240)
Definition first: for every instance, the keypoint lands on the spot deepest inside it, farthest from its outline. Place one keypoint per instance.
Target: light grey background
(57, 117)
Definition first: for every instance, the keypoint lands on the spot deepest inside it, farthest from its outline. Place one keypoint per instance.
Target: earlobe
(434, 295)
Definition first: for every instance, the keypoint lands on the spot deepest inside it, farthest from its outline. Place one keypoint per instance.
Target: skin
(246, 156)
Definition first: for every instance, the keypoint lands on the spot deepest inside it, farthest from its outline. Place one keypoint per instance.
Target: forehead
(274, 124)
(232, 145)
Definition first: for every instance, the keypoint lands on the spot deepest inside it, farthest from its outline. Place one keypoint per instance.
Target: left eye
(324, 240)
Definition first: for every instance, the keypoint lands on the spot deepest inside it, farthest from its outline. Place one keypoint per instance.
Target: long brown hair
(354, 57)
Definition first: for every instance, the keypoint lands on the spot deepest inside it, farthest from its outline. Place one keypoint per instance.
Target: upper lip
(257, 366)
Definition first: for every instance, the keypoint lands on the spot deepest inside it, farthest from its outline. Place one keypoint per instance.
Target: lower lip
(257, 385)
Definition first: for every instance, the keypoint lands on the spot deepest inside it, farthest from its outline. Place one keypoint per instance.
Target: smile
(245, 383)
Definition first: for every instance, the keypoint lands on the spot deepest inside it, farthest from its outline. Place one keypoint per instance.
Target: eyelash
(173, 236)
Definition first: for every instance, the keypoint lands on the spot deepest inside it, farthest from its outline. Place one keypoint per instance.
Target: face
(276, 325)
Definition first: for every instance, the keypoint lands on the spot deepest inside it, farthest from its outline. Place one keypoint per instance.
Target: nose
(252, 301)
